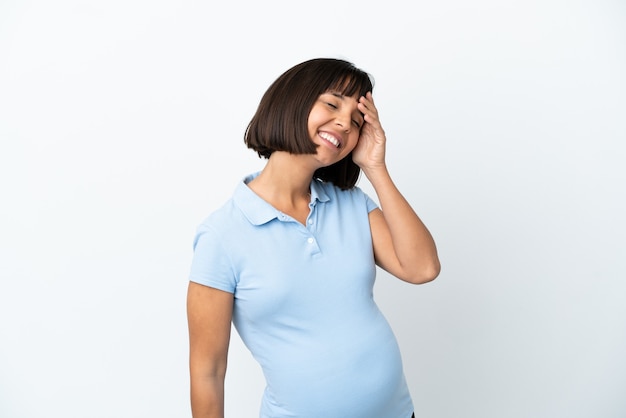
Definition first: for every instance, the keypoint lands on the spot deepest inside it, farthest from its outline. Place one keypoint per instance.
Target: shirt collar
(258, 211)
(318, 194)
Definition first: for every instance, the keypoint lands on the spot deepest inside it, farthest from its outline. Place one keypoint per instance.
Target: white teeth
(330, 139)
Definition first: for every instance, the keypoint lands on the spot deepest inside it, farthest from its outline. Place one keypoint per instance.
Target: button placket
(310, 227)
(311, 219)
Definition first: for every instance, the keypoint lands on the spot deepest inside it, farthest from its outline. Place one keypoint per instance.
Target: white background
(121, 127)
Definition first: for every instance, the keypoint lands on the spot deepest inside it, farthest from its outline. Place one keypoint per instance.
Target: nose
(344, 120)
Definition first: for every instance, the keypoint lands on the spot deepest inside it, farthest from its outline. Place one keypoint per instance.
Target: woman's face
(334, 126)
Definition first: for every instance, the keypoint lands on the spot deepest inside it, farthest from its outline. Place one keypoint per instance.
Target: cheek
(354, 140)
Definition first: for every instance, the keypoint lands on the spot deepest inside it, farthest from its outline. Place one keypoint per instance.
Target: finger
(366, 107)
(368, 98)
(369, 115)
(368, 102)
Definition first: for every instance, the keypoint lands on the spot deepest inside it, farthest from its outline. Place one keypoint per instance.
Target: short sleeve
(369, 202)
(211, 265)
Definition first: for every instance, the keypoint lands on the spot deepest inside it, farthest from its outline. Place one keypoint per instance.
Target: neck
(285, 180)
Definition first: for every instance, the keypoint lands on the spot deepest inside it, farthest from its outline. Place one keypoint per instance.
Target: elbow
(424, 274)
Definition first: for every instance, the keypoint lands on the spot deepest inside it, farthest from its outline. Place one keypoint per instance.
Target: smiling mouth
(330, 138)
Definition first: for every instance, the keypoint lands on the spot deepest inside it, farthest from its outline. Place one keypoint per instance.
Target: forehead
(340, 95)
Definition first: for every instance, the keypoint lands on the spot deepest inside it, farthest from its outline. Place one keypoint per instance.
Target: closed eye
(356, 123)
(331, 105)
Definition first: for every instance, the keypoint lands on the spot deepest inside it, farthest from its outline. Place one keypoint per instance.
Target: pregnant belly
(351, 376)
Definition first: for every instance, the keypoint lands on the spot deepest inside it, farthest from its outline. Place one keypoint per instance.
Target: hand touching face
(370, 149)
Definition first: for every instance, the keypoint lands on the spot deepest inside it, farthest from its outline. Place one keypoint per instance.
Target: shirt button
(310, 240)
(310, 221)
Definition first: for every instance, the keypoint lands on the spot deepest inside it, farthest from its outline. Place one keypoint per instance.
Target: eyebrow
(342, 97)
(337, 95)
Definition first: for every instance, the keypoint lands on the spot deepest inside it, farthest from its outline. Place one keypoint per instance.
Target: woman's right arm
(209, 315)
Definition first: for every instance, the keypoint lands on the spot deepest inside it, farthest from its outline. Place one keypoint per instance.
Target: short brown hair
(280, 122)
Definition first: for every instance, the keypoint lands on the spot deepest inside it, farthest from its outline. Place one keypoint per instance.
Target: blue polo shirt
(303, 303)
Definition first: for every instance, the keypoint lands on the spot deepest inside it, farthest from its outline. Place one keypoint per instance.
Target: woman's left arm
(403, 246)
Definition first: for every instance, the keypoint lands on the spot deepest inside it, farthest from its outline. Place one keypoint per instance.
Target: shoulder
(232, 212)
(353, 196)
(223, 213)
(216, 223)
(334, 191)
